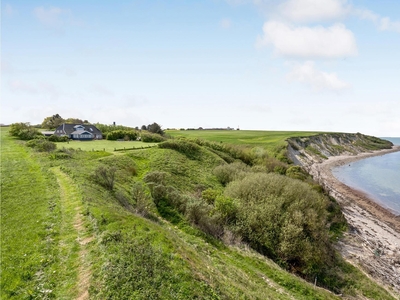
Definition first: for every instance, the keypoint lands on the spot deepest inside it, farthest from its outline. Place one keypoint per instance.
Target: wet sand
(373, 241)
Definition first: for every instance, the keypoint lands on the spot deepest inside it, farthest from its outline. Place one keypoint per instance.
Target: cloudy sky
(318, 65)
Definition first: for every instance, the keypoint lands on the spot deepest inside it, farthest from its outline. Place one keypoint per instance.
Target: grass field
(65, 236)
(29, 222)
(272, 141)
(103, 145)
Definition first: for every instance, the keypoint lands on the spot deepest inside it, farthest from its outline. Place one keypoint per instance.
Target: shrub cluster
(104, 128)
(148, 137)
(42, 145)
(230, 172)
(230, 151)
(185, 147)
(284, 219)
(195, 209)
(56, 138)
(105, 176)
(127, 135)
(24, 131)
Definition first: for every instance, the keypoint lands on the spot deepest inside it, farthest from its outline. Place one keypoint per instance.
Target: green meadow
(146, 224)
(272, 141)
(104, 145)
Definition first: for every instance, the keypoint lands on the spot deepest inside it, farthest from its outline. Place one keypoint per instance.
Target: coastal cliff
(372, 241)
(315, 149)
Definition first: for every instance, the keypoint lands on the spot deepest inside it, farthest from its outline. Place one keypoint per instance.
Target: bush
(226, 209)
(127, 135)
(229, 172)
(142, 200)
(56, 138)
(209, 195)
(105, 176)
(147, 137)
(296, 172)
(187, 148)
(24, 131)
(199, 214)
(41, 145)
(284, 219)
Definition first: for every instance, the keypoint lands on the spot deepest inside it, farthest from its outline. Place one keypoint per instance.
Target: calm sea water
(378, 176)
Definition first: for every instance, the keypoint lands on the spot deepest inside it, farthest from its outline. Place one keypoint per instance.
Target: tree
(24, 131)
(52, 122)
(155, 128)
(75, 121)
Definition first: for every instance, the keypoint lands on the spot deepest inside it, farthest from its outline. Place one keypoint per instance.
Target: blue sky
(318, 65)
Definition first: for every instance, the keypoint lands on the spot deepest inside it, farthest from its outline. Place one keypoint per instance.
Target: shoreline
(349, 193)
(373, 238)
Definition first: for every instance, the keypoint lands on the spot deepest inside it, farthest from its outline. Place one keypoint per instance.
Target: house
(80, 132)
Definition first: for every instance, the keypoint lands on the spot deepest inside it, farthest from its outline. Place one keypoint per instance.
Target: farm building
(79, 132)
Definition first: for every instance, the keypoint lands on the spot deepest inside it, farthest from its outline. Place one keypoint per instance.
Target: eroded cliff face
(315, 149)
(373, 239)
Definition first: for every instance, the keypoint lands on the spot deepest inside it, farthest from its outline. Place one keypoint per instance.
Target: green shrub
(105, 176)
(229, 172)
(56, 138)
(199, 214)
(143, 203)
(285, 219)
(209, 195)
(127, 135)
(226, 209)
(185, 147)
(24, 131)
(41, 145)
(296, 172)
(148, 137)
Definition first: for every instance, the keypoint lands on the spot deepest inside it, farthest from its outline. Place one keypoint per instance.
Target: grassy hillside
(148, 224)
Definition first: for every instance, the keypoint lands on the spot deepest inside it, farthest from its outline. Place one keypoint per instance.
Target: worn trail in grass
(74, 239)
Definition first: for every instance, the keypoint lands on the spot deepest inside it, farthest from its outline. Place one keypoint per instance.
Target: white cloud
(314, 10)
(387, 24)
(382, 23)
(50, 17)
(225, 23)
(309, 42)
(318, 80)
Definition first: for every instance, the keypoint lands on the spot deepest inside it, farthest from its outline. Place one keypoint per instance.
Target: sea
(378, 177)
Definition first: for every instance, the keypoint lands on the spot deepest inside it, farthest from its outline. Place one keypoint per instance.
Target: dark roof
(81, 132)
(70, 128)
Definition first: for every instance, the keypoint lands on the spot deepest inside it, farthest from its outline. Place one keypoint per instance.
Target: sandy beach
(373, 239)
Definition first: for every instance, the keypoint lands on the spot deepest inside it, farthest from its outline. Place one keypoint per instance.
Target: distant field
(251, 137)
(103, 145)
(269, 140)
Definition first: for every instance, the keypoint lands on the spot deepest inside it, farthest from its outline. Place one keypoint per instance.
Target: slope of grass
(29, 222)
(162, 256)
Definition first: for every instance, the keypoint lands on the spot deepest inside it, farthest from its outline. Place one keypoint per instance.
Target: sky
(302, 65)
